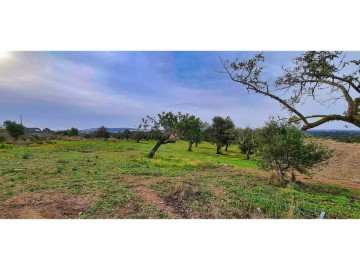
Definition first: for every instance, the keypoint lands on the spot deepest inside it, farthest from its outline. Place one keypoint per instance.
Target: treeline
(280, 147)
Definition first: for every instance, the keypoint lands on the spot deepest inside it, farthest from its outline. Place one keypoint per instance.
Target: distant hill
(112, 130)
(334, 132)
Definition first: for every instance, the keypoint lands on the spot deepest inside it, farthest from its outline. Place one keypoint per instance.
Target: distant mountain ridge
(112, 130)
(335, 132)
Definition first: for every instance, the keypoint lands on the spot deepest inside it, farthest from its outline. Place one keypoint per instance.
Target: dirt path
(151, 197)
(139, 185)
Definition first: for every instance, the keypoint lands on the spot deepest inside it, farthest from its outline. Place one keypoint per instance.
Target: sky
(60, 90)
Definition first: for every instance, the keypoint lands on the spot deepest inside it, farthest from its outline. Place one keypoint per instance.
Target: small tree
(201, 135)
(15, 130)
(231, 137)
(138, 135)
(190, 129)
(102, 132)
(222, 132)
(246, 139)
(282, 148)
(127, 134)
(165, 122)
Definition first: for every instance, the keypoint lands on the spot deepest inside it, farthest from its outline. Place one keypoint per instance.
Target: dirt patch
(126, 209)
(343, 165)
(50, 205)
(180, 209)
(215, 191)
(151, 196)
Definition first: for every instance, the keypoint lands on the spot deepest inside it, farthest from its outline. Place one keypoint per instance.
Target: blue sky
(87, 89)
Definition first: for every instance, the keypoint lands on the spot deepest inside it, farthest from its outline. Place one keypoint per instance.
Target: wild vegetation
(112, 178)
(100, 174)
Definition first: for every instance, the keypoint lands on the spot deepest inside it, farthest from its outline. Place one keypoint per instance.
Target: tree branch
(266, 93)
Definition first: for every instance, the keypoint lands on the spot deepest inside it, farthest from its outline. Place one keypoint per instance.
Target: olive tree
(323, 76)
(138, 135)
(283, 148)
(102, 132)
(165, 125)
(190, 129)
(126, 134)
(222, 132)
(246, 139)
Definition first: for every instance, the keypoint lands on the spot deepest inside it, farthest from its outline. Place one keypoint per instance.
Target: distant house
(47, 130)
(1, 127)
(33, 130)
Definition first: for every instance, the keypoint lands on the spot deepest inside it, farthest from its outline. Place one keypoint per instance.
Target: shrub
(102, 132)
(15, 130)
(2, 138)
(282, 148)
(26, 155)
(73, 132)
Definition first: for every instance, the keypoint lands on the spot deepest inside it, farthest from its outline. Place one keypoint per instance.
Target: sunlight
(3, 54)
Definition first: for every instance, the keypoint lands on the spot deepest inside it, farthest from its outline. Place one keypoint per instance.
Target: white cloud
(44, 78)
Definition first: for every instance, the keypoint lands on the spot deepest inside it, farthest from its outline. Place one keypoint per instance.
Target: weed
(26, 155)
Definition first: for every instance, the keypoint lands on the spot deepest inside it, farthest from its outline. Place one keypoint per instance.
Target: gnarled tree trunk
(226, 147)
(190, 146)
(167, 138)
(156, 147)
(248, 153)
(218, 148)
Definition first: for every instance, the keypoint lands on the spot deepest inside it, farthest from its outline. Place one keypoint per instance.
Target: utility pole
(22, 124)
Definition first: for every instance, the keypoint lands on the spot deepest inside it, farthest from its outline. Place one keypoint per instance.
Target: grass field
(115, 179)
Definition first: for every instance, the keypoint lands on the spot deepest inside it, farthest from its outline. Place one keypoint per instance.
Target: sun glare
(3, 54)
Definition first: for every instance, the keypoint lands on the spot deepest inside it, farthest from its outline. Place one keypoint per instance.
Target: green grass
(184, 180)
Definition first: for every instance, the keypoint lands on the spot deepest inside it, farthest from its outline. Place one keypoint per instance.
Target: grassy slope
(190, 182)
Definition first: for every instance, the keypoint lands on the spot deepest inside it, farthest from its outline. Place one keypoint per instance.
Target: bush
(282, 148)
(102, 132)
(73, 132)
(15, 130)
(26, 155)
(2, 138)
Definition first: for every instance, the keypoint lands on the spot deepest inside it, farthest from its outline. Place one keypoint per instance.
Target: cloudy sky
(60, 90)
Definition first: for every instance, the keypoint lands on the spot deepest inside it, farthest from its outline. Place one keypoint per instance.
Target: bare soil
(46, 205)
(150, 196)
(344, 165)
(342, 169)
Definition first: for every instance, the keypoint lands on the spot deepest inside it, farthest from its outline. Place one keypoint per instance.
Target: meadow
(96, 178)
